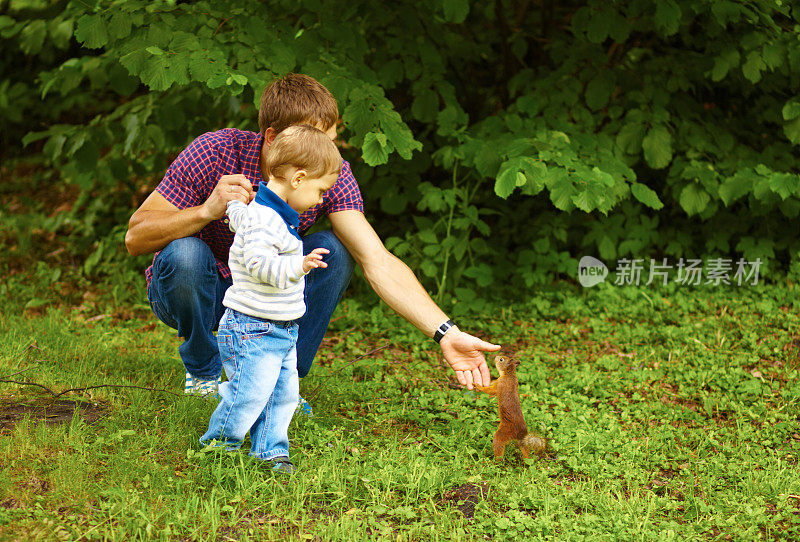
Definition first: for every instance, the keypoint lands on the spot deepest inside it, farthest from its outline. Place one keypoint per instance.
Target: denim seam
(236, 375)
(267, 411)
(272, 454)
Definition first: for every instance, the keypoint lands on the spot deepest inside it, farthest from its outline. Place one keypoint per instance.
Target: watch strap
(442, 329)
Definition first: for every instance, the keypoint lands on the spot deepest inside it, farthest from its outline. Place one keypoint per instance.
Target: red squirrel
(512, 424)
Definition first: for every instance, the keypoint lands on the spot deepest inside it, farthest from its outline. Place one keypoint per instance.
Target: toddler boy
(257, 335)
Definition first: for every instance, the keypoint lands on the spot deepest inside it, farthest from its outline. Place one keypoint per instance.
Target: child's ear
(298, 177)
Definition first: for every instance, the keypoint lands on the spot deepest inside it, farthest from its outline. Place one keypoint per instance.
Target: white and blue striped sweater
(266, 259)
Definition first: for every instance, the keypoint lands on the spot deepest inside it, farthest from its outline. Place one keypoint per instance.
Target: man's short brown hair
(302, 147)
(294, 99)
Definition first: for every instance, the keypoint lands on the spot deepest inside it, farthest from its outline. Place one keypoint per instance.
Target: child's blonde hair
(301, 147)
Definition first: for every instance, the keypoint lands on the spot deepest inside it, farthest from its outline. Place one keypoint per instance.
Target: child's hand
(314, 259)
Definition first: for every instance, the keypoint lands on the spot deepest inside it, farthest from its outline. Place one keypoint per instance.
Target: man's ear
(298, 177)
(269, 135)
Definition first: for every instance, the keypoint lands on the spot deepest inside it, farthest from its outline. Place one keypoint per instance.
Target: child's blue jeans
(260, 396)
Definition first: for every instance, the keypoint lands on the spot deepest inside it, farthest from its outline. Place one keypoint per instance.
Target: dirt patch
(46, 409)
(465, 497)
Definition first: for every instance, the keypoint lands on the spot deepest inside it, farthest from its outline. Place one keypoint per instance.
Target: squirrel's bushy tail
(536, 444)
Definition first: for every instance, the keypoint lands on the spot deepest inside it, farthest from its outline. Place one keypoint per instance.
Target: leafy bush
(516, 136)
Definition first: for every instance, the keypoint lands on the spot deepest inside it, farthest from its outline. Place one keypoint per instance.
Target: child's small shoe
(202, 388)
(303, 408)
(282, 464)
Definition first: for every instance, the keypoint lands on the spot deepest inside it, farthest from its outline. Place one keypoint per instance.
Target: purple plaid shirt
(195, 172)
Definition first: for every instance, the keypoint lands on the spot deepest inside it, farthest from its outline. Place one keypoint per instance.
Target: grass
(673, 412)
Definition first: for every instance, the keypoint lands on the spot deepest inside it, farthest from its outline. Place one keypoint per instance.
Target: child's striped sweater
(266, 259)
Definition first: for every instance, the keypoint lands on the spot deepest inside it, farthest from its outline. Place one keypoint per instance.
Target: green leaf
(203, 69)
(724, 63)
(586, 201)
(239, 78)
(6, 22)
(561, 193)
(773, 55)
(597, 27)
(32, 37)
(280, 58)
(61, 32)
(725, 11)
(792, 130)
(618, 27)
(693, 199)
(390, 73)
(507, 179)
(668, 17)
(132, 127)
(646, 195)
(455, 11)
(86, 157)
(753, 67)
(603, 177)
(54, 146)
(161, 71)
(398, 134)
(135, 61)
(736, 186)
(784, 184)
(92, 31)
(425, 105)
(599, 90)
(630, 137)
(657, 147)
(119, 26)
(791, 109)
(154, 50)
(374, 149)
(427, 236)
(482, 274)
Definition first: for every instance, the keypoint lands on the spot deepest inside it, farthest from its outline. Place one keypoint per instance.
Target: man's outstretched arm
(396, 284)
(157, 222)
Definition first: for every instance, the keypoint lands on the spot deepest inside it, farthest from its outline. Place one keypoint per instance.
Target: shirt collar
(270, 199)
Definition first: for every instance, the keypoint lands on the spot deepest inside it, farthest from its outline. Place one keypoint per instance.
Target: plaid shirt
(193, 175)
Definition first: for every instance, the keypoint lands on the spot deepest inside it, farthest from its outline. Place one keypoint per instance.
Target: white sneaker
(201, 388)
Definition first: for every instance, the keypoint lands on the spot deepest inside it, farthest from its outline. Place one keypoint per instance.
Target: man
(182, 221)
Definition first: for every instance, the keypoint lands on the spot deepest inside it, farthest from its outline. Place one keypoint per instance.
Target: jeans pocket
(257, 332)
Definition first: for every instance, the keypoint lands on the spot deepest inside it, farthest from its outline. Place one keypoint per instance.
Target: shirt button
(225, 221)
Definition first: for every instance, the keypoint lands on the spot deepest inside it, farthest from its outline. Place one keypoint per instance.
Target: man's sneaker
(283, 465)
(201, 388)
(303, 408)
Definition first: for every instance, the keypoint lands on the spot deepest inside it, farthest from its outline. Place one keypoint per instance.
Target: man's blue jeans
(260, 396)
(186, 293)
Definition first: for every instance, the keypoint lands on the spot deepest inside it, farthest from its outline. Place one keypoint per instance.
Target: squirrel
(512, 424)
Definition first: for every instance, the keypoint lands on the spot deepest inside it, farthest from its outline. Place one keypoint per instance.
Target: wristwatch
(442, 329)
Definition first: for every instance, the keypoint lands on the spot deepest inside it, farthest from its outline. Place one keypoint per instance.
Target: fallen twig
(70, 390)
(18, 372)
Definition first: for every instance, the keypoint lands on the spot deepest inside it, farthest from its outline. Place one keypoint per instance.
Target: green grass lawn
(673, 414)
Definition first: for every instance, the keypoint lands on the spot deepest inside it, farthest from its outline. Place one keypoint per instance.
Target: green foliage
(587, 113)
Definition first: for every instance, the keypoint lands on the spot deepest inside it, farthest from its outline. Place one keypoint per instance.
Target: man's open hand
(229, 188)
(465, 355)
